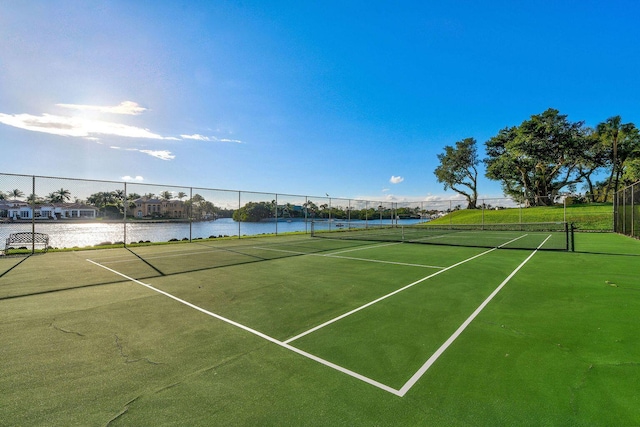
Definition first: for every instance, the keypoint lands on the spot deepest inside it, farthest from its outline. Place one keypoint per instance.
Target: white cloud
(123, 149)
(196, 136)
(74, 126)
(160, 154)
(199, 137)
(132, 178)
(126, 107)
(93, 129)
(396, 179)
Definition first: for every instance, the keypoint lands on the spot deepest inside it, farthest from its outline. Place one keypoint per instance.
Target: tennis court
(298, 330)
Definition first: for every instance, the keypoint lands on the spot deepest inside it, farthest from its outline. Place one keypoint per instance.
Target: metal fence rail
(84, 212)
(627, 211)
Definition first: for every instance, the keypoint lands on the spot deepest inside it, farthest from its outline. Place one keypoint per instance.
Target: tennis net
(543, 235)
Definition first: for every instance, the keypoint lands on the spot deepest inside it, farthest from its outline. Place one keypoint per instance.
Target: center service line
(396, 291)
(362, 307)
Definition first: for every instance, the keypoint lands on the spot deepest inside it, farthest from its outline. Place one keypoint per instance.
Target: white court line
(420, 372)
(169, 254)
(362, 307)
(350, 258)
(361, 248)
(381, 261)
(260, 334)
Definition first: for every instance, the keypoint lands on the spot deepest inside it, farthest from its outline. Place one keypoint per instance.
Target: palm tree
(16, 193)
(101, 199)
(622, 140)
(53, 197)
(323, 209)
(118, 194)
(166, 195)
(63, 195)
(33, 199)
(2, 196)
(182, 195)
(311, 208)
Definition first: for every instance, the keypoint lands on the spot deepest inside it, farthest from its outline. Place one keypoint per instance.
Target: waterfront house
(19, 210)
(161, 208)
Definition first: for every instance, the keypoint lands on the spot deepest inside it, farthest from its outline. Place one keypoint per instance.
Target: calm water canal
(69, 234)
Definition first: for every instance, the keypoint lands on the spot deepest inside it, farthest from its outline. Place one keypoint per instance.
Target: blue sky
(349, 98)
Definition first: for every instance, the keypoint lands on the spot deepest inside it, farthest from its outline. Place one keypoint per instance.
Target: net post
(573, 241)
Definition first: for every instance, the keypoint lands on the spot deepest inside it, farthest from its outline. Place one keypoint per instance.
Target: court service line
(406, 264)
(361, 248)
(369, 304)
(259, 334)
(420, 372)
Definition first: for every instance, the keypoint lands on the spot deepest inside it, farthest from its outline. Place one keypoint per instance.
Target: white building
(18, 210)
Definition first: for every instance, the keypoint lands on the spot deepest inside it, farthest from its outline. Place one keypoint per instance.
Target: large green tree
(593, 161)
(632, 172)
(254, 212)
(538, 158)
(458, 170)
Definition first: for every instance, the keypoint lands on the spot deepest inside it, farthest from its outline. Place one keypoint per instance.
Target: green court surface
(306, 331)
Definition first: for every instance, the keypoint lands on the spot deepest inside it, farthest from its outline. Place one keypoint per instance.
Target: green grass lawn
(81, 345)
(592, 217)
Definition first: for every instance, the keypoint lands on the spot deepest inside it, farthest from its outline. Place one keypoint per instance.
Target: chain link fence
(77, 213)
(627, 211)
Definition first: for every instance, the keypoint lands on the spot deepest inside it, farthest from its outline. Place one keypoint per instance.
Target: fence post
(125, 202)
(306, 213)
(624, 212)
(633, 199)
(33, 215)
(190, 211)
(366, 222)
(616, 210)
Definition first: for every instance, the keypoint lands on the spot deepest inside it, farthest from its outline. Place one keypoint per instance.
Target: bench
(27, 240)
